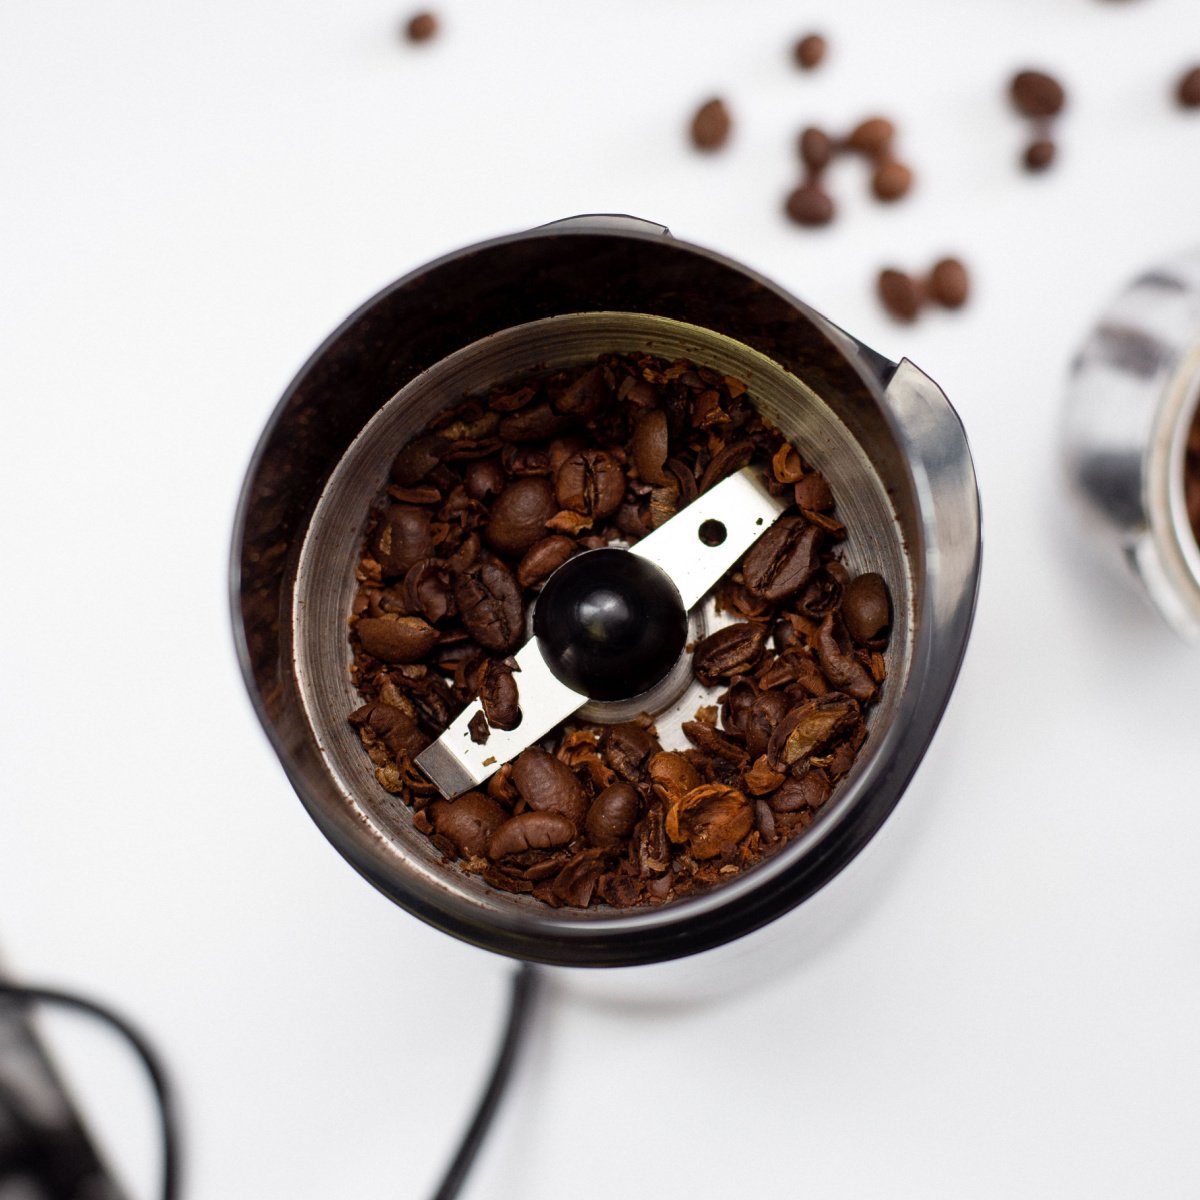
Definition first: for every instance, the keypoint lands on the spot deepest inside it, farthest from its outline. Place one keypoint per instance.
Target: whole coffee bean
(949, 285)
(728, 652)
(468, 822)
(519, 516)
(590, 482)
(866, 606)
(548, 785)
(900, 294)
(840, 665)
(484, 478)
(1039, 154)
(780, 563)
(530, 831)
(489, 601)
(1036, 94)
(396, 639)
(498, 695)
(809, 51)
(586, 395)
(672, 773)
(816, 148)
(402, 538)
(711, 125)
(812, 493)
(651, 446)
(891, 180)
(543, 558)
(613, 814)
(421, 27)
(810, 205)
(872, 137)
(1187, 90)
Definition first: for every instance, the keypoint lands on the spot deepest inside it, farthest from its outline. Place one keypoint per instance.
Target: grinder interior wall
(325, 582)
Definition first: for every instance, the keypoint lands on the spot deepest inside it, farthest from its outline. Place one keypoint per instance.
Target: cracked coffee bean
(489, 601)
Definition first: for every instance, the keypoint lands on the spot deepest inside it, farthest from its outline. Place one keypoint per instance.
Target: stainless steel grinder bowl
(884, 436)
(1133, 393)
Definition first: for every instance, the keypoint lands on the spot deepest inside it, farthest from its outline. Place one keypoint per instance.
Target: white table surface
(997, 999)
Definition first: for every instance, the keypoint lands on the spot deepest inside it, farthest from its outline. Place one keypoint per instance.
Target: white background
(997, 999)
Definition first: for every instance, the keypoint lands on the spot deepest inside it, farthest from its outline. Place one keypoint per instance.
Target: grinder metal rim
(918, 460)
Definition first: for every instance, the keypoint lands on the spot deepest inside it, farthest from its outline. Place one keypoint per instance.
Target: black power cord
(525, 985)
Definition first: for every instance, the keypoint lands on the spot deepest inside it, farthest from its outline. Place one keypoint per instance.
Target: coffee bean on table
(872, 137)
(809, 204)
(809, 51)
(949, 285)
(891, 180)
(900, 293)
(816, 148)
(1039, 154)
(711, 125)
(1187, 89)
(421, 27)
(1036, 94)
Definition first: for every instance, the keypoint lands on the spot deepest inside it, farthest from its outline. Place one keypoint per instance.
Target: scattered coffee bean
(891, 180)
(1039, 154)
(901, 294)
(1187, 90)
(711, 125)
(872, 137)
(816, 148)
(483, 506)
(809, 51)
(949, 284)
(421, 27)
(1036, 94)
(810, 204)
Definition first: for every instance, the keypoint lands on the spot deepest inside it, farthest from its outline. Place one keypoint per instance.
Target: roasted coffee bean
(484, 478)
(900, 293)
(949, 284)
(479, 729)
(548, 785)
(651, 446)
(402, 537)
(498, 695)
(812, 493)
(810, 790)
(724, 463)
(519, 515)
(761, 721)
(530, 831)
(810, 205)
(872, 137)
(1187, 89)
(816, 148)
(710, 819)
(613, 814)
(711, 125)
(421, 27)
(396, 639)
(626, 749)
(590, 482)
(809, 727)
(418, 458)
(538, 422)
(821, 594)
(489, 601)
(1039, 154)
(672, 774)
(728, 652)
(866, 607)
(392, 726)
(586, 395)
(543, 558)
(429, 590)
(809, 51)
(1036, 94)
(838, 661)
(469, 822)
(891, 180)
(713, 743)
(780, 563)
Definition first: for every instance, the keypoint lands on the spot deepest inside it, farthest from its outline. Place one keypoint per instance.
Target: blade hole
(712, 533)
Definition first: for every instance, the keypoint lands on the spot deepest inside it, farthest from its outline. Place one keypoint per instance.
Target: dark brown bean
(538, 422)
(530, 831)
(1036, 94)
(808, 727)
(900, 293)
(584, 397)
(711, 125)
(626, 749)
(813, 493)
(590, 482)
(613, 814)
(866, 607)
(543, 558)
(392, 726)
(1039, 154)
(484, 478)
(872, 137)
(809, 51)
(519, 515)
(816, 148)
(489, 601)
(949, 283)
(421, 27)
(651, 446)
(498, 695)
(418, 458)
(710, 819)
(1187, 89)
(810, 790)
(761, 721)
(469, 822)
(672, 773)
(810, 205)
(780, 563)
(547, 784)
(402, 537)
(429, 590)
(396, 639)
(891, 180)
(728, 652)
(479, 729)
(839, 662)
(732, 457)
